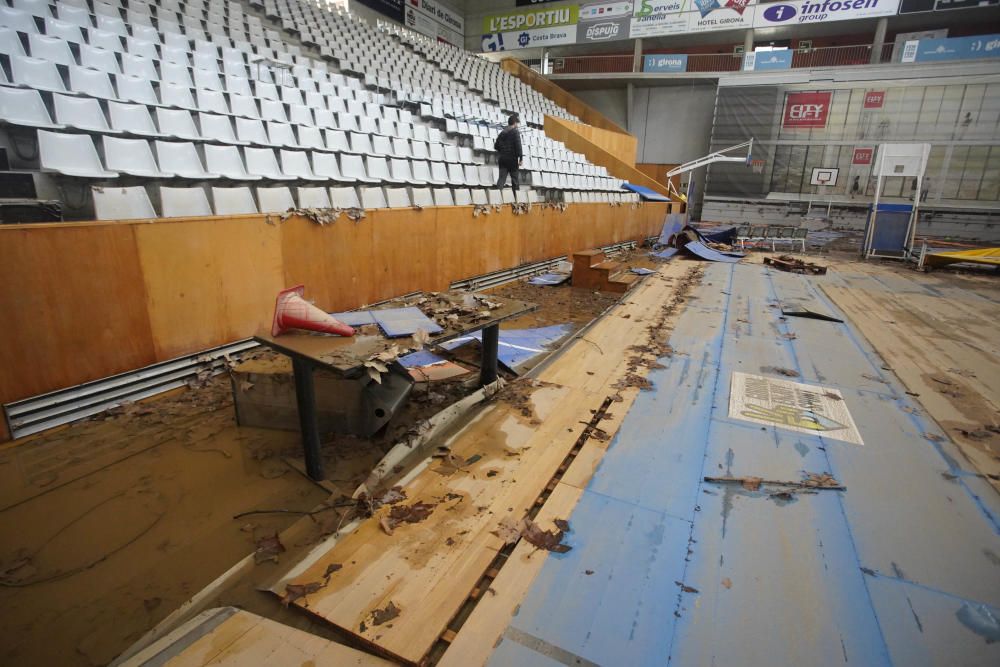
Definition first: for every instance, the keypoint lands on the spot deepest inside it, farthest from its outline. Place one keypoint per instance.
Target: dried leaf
(380, 616)
(411, 513)
(268, 548)
(421, 338)
(295, 591)
(751, 483)
(686, 589)
(331, 568)
(375, 375)
(543, 539)
(562, 524)
(246, 386)
(727, 582)
(509, 530)
(386, 524)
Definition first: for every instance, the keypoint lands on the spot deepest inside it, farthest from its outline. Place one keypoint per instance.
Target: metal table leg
(305, 397)
(491, 344)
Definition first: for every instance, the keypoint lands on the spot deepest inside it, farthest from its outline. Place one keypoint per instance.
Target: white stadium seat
(275, 200)
(233, 201)
(115, 203)
(183, 202)
(71, 155)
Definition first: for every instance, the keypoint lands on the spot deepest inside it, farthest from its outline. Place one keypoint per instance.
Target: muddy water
(108, 526)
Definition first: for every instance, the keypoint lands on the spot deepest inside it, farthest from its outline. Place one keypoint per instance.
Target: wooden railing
(570, 134)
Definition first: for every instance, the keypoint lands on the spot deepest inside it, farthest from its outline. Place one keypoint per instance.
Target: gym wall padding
(82, 301)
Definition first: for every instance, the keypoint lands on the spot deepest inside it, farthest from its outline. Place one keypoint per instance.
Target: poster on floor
(778, 14)
(794, 406)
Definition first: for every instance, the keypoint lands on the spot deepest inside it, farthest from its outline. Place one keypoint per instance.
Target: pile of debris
(793, 265)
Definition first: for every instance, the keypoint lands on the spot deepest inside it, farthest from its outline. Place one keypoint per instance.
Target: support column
(879, 41)
(637, 55)
(747, 42)
(629, 102)
(488, 359)
(305, 397)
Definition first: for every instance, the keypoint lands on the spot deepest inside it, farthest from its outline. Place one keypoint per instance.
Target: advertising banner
(531, 19)
(391, 8)
(530, 29)
(955, 48)
(443, 14)
(604, 21)
(720, 15)
(425, 25)
(874, 99)
(658, 17)
(666, 62)
(762, 61)
(821, 11)
(862, 156)
(806, 110)
(964, 4)
(527, 39)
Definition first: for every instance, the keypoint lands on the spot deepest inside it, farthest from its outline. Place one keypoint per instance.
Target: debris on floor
(811, 480)
(793, 265)
(518, 346)
(511, 530)
(549, 279)
(426, 366)
(810, 314)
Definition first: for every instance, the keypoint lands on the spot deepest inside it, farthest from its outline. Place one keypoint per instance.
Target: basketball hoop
(757, 166)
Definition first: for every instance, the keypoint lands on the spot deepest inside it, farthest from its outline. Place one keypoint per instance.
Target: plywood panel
(209, 281)
(406, 242)
(332, 261)
(73, 306)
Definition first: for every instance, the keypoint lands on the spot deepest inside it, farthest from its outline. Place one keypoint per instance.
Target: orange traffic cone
(291, 311)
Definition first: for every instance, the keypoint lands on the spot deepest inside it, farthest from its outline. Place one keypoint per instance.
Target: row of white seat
(129, 203)
(76, 155)
(190, 28)
(189, 69)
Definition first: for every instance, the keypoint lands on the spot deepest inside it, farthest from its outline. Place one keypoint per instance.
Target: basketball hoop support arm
(718, 156)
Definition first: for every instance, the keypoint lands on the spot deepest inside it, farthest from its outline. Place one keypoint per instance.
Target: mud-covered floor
(112, 523)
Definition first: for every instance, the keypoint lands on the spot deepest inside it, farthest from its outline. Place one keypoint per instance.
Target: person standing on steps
(509, 154)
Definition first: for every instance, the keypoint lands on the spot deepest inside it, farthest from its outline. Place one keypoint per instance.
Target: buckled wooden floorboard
(428, 569)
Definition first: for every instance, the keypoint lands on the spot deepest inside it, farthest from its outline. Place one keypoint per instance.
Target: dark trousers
(508, 166)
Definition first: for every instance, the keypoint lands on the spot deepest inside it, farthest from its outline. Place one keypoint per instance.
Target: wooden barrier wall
(658, 172)
(562, 97)
(566, 132)
(622, 146)
(82, 301)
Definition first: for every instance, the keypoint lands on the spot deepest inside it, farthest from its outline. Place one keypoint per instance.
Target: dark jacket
(508, 144)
